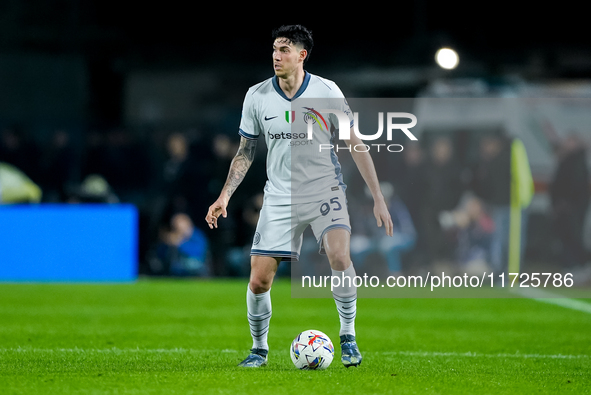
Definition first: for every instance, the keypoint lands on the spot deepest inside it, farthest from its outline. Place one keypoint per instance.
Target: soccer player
(267, 110)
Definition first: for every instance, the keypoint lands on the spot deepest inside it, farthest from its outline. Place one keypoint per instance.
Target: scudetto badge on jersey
(290, 116)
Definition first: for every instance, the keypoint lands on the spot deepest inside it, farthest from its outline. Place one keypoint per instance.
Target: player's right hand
(215, 210)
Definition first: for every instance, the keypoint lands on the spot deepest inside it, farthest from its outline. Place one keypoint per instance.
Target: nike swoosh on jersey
(269, 118)
(335, 219)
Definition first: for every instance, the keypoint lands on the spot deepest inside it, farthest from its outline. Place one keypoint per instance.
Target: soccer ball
(311, 349)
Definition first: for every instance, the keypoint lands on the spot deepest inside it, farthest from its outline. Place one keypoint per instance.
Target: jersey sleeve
(249, 123)
(347, 110)
(339, 102)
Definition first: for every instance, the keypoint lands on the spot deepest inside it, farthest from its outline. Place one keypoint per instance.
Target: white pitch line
(555, 299)
(482, 355)
(114, 350)
(389, 353)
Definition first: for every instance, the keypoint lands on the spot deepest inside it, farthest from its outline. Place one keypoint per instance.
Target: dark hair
(296, 34)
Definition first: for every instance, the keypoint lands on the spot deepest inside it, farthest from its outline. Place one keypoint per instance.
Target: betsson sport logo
(298, 139)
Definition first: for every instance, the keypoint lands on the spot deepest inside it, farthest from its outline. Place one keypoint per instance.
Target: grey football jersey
(297, 169)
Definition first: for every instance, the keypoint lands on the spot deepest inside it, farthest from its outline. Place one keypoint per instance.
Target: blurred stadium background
(139, 106)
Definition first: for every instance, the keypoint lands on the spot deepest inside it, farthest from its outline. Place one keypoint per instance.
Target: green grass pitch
(186, 336)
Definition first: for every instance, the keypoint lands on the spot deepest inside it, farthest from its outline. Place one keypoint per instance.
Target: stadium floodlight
(447, 58)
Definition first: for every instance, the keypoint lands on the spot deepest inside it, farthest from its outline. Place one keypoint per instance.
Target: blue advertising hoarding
(62, 243)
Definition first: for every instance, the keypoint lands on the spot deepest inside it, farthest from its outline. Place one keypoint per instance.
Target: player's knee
(262, 272)
(260, 285)
(339, 260)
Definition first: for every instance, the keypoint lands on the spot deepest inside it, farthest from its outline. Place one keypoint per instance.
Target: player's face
(287, 57)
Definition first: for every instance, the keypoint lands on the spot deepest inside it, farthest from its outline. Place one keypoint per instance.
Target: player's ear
(303, 54)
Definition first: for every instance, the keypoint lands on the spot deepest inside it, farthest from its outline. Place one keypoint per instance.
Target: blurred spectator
(122, 160)
(176, 152)
(20, 151)
(411, 186)
(178, 185)
(372, 240)
(492, 184)
(570, 195)
(177, 148)
(474, 229)
(183, 175)
(16, 187)
(93, 189)
(127, 167)
(93, 153)
(492, 179)
(181, 250)
(404, 238)
(59, 167)
(444, 189)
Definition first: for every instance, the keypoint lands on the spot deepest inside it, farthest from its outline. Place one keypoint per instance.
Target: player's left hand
(215, 210)
(380, 211)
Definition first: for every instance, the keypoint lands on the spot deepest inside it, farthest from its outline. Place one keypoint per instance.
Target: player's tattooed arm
(240, 165)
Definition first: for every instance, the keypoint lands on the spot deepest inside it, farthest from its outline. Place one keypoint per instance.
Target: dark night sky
(496, 29)
(116, 38)
(388, 33)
